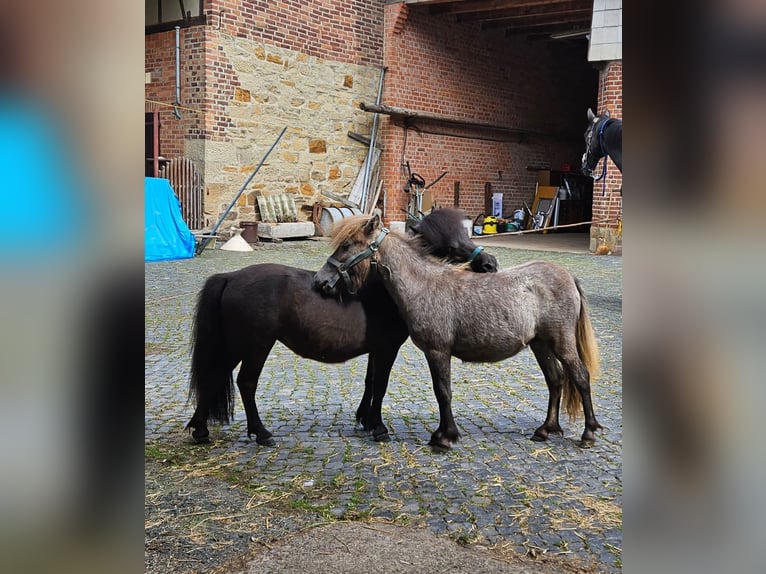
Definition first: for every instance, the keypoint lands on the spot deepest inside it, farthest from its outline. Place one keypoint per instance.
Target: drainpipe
(177, 113)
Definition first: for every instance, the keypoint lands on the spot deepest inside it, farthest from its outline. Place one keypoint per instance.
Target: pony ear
(591, 115)
(372, 224)
(606, 114)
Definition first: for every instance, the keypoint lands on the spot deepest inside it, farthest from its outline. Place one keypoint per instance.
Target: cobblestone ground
(495, 487)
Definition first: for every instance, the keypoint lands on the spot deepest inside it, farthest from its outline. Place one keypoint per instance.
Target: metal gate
(187, 183)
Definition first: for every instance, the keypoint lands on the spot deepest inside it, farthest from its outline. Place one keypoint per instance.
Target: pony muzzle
(341, 272)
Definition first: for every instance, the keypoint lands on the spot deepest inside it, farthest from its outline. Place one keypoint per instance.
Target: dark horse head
(602, 138)
(444, 236)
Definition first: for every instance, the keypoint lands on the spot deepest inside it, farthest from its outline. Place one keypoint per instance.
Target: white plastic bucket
(468, 226)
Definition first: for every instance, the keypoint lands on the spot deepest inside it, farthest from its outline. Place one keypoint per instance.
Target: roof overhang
(556, 19)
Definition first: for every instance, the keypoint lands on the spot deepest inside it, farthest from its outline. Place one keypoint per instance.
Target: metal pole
(373, 135)
(156, 133)
(241, 189)
(176, 113)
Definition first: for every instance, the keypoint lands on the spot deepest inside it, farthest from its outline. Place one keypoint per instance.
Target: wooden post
(456, 197)
(487, 198)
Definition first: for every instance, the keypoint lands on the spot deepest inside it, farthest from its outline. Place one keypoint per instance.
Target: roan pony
(479, 318)
(241, 314)
(602, 138)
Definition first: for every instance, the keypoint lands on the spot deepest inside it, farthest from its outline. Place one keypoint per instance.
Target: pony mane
(346, 228)
(419, 244)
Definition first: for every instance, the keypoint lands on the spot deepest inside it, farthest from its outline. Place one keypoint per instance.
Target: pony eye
(346, 245)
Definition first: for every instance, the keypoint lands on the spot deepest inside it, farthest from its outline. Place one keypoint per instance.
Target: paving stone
(496, 484)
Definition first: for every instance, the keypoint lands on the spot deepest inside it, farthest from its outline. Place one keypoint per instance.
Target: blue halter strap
(475, 252)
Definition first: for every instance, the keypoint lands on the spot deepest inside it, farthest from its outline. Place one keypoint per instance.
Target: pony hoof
(440, 444)
(266, 441)
(588, 439)
(440, 448)
(381, 437)
(201, 436)
(542, 433)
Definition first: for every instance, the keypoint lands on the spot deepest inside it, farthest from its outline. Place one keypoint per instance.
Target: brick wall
(160, 63)
(316, 99)
(438, 66)
(340, 30)
(607, 197)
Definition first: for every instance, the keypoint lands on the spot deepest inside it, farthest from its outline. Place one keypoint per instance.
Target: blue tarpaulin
(166, 235)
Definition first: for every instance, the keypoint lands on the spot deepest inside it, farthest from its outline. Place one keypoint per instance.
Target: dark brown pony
(479, 318)
(241, 314)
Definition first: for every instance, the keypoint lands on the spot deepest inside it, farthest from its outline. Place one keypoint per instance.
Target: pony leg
(212, 386)
(384, 361)
(362, 411)
(447, 433)
(578, 374)
(247, 381)
(554, 378)
(198, 425)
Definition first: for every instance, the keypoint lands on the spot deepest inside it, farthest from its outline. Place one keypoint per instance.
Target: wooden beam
(544, 27)
(528, 12)
(487, 199)
(484, 5)
(537, 20)
(362, 139)
(460, 127)
(405, 114)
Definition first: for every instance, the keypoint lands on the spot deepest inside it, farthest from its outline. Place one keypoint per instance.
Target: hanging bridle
(342, 268)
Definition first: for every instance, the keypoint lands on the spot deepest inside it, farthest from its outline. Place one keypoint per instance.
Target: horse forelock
(347, 229)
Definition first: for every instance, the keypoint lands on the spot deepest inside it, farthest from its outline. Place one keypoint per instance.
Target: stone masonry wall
(316, 99)
(304, 65)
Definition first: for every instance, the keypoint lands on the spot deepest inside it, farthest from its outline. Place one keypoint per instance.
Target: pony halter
(475, 253)
(342, 268)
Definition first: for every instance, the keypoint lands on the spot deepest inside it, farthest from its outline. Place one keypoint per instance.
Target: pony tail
(211, 383)
(570, 396)
(587, 349)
